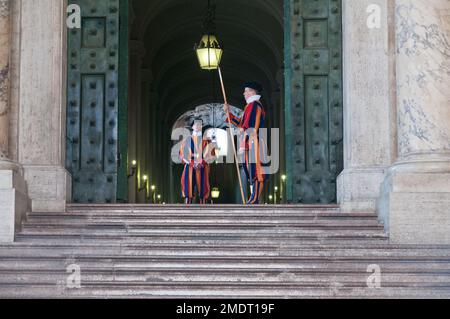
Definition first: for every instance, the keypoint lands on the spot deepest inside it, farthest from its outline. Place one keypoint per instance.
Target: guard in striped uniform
(196, 153)
(251, 146)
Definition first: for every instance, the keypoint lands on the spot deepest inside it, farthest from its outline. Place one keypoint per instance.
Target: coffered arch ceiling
(251, 32)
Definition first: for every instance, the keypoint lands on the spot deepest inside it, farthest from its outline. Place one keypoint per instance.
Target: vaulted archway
(165, 33)
(145, 48)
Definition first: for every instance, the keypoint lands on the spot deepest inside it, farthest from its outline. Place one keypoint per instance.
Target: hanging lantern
(209, 52)
(215, 193)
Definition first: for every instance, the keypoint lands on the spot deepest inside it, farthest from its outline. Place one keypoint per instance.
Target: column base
(415, 203)
(14, 201)
(50, 188)
(359, 189)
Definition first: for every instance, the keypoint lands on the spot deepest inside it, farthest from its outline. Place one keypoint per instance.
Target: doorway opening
(252, 34)
(133, 74)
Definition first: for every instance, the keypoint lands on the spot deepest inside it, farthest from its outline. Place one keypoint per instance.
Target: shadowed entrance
(123, 105)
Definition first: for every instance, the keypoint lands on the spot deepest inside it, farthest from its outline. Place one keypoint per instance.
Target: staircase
(138, 251)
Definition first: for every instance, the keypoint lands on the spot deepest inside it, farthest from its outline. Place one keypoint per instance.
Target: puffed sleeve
(236, 121)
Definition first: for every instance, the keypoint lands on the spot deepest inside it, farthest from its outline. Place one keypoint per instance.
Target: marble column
(137, 52)
(144, 132)
(42, 106)
(368, 117)
(155, 141)
(416, 193)
(5, 49)
(14, 202)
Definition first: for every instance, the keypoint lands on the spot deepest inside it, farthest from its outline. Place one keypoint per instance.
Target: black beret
(253, 85)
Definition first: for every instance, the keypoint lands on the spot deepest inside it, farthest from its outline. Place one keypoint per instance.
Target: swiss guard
(251, 146)
(196, 153)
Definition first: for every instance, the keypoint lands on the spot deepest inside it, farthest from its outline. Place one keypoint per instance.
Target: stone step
(160, 274)
(209, 210)
(281, 232)
(175, 240)
(207, 240)
(261, 211)
(231, 223)
(382, 246)
(199, 230)
(218, 250)
(174, 272)
(199, 216)
(107, 207)
(183, 263)
(56, 277)
(220, 290)
(212, 210)
(211, 213)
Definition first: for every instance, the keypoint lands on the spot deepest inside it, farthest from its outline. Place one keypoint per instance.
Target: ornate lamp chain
(210, 16)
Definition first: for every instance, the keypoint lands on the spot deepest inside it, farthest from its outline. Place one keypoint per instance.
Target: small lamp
(215, 193)
(283, 181)
(209, 52)
(153, 188)
(133, 169)
(145, 181)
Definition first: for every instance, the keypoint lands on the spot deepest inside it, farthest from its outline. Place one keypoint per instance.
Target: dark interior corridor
(165, 81)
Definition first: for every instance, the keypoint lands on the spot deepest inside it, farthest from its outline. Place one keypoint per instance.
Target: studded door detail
(92, 106)
(314, 110)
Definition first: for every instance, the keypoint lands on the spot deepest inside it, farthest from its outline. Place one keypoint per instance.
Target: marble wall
(4, 77)
(41, 140)
(14, 201)
(369, 142)
(423, 70)
(415, 201)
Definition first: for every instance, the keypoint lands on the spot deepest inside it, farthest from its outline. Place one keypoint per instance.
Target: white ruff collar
(197, 134)
(253, 99)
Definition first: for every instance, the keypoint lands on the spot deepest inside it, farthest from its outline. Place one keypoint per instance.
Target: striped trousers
(195, 181)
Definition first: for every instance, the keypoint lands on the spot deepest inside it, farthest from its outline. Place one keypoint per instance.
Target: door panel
(92, 116)
(314, 112)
